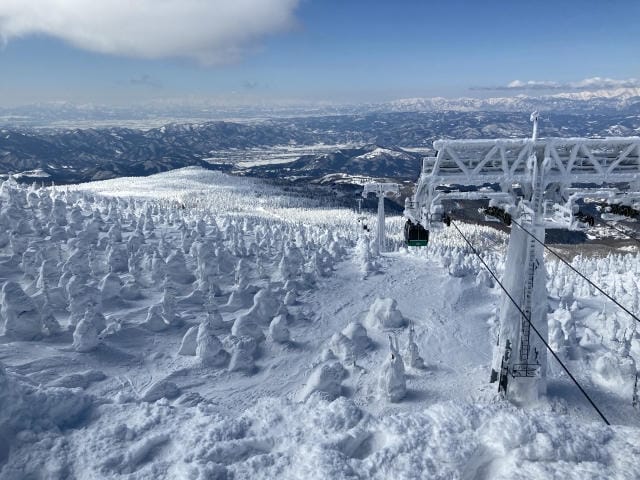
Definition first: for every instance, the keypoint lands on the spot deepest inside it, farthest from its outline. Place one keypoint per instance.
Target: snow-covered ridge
(616, 93)
(612, 98)
(379, 152)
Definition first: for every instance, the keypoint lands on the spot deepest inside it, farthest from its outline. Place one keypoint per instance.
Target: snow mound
(78, 380)
(31, 410)
(343, 347)
(160, 389)
(326, 380)
(384, 313)
(615, 373)
(356, 332)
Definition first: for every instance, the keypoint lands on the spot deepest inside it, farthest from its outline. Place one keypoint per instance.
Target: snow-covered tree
(393, 383)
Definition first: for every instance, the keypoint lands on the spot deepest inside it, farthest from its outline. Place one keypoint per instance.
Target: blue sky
(333, 50)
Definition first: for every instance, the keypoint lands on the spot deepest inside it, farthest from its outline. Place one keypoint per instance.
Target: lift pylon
(381, 190)
(536, 182)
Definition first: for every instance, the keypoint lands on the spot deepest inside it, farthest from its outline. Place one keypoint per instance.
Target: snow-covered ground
(279, 154)
(200, 326)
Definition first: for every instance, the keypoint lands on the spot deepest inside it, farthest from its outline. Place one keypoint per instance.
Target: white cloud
(535, 84)
(210, 31)
(601, 83)
(593, 83)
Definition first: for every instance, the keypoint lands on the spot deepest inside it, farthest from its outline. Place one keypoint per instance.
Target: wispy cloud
(209, 31)
(593, 83)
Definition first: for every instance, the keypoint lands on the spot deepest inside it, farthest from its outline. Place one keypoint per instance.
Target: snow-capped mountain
(155, 114)
(368, 160)
(614, 99)
(72, 155)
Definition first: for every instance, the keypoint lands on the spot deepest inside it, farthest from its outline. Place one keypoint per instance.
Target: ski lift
(499, 213)
(415, 235)
(362, 221)
(624, 210)
(585, 218)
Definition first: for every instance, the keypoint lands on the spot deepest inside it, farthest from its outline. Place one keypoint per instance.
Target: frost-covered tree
(118, 258)
(19, 316)
(155, 320)
(241, 297)
(85, 335)
(246, 325)
(265, 305)
(393, 383)
(209, 349)
(278, 330)
(243, 355)
(189, 341)
(413, 353)
(364, 258)
(213, 313)
(177, 270)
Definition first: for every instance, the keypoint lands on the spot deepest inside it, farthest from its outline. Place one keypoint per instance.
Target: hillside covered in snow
(193, 324)
(377, 144)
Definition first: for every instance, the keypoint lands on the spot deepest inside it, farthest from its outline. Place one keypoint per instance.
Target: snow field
(196, 325)
(318, 439)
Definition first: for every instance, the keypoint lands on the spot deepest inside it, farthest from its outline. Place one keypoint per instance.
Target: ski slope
(302, 397)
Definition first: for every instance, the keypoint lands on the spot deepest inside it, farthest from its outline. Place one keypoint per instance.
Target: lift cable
(531, 324)
(563, 260)
(610, 225)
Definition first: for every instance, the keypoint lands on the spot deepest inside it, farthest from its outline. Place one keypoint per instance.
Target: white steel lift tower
(381, 190)
(535, 182)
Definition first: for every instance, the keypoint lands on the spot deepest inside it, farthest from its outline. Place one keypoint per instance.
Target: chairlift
(624, 210)
(585, 218)
(415, 235)
(362, 220)
(498, 213)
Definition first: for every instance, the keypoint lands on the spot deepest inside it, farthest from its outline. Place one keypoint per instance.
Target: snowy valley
(197, 325)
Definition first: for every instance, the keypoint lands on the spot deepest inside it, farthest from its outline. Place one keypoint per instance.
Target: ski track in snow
(66, 414)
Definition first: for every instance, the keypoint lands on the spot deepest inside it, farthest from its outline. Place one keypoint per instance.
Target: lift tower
(381, 190)
(536, 183)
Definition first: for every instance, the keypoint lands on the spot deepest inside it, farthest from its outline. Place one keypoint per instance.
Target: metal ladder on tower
(524, 368)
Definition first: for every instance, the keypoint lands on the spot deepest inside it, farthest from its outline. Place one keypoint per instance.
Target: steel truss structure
(537, 182)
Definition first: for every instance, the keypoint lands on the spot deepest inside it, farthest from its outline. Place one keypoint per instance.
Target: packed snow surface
(200, 326)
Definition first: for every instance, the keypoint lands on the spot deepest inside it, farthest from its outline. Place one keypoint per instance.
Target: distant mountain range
(381, 143)
(155, 114)
(615, 100)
